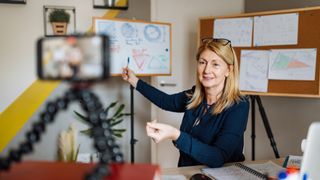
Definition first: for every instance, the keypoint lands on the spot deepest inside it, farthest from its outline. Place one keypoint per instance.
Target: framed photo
(14, 1)
(59, 20)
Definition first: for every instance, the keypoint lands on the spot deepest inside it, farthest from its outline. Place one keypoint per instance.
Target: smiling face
(212, 70)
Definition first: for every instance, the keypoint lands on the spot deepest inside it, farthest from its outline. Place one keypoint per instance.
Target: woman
(215, 113)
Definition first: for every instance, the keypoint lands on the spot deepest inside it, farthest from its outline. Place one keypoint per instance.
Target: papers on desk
(173, 177)
(244, 172)
(270, 168)
(293, 162)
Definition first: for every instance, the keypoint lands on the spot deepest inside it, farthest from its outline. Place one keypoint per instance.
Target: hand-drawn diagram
(254, 70)
(293, 64)
(158, 62)
(152, 33)
(279, 29)
(237, 30)
(130, 33)
(147, 45)
(140, 57)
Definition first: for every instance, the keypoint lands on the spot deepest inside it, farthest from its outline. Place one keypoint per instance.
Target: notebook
(239, 171)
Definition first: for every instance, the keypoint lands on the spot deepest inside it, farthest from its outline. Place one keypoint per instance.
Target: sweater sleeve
(230, 135)
(175, 102)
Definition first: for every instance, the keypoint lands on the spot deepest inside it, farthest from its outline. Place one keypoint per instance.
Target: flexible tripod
(104, 142)
(265, 123)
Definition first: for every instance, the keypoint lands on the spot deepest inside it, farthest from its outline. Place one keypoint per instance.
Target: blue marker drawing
(152, 33)
(128, 31)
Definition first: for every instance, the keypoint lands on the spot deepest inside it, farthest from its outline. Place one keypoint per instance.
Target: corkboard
(308, 37)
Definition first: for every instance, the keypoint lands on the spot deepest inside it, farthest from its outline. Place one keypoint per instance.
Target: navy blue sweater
(216, 140)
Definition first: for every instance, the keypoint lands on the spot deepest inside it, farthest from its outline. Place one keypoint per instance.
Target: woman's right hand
(159, 131)
(129, 76)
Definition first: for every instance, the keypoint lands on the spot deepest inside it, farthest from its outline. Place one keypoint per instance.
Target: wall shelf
(14, 1)
(109, 7)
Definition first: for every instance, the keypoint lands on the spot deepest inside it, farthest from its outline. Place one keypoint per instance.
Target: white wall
(289, 119)
(21, 26)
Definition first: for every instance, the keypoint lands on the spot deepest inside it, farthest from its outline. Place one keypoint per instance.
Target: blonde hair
(230, 93)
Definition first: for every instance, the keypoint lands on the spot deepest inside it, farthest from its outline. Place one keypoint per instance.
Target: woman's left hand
(159, 131)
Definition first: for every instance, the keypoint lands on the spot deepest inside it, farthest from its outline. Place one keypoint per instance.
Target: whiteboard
(145, 47)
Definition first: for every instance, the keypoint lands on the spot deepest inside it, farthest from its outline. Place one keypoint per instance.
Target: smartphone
(73, 58)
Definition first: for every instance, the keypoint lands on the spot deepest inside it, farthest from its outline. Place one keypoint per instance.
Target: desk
(31, 170)
(190, 170)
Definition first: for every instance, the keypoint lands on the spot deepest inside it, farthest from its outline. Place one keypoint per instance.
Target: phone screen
(77, 58)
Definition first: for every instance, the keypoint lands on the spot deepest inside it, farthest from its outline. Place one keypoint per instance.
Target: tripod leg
(132, 124)
(132, 140)
(253, 126)
(267, 126)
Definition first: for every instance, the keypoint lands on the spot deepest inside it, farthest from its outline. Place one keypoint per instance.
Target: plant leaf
(118, 130)
(121, 107)
(118, 116)
(110, 119)
(117, 135)
(110, 106)
(116, 122)
(87, 132)
(82, 117)
(76, 155)
(122, 114)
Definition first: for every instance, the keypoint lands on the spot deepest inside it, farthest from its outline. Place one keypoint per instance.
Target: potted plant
(115, 119)
(59, 19)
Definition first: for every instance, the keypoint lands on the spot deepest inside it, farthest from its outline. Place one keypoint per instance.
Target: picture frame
(110, 4)
(50, 29)
(14, 1)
